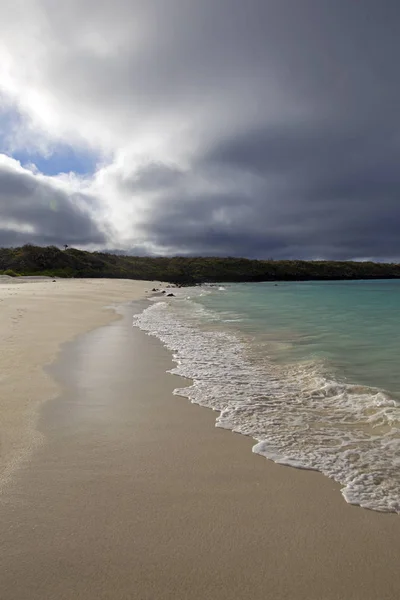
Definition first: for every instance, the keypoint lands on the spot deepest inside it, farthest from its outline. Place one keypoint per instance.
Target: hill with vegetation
(36, 260)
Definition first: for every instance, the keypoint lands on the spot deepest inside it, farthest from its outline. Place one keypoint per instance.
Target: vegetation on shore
(36, 260)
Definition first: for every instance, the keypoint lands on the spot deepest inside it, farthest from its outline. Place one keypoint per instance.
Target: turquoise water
(353, 326)
(309, 370)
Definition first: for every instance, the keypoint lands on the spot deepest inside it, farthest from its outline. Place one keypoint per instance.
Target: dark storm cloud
(308, 195)
(33, 210)
(281, 116)
(330, 55)
(323, 183)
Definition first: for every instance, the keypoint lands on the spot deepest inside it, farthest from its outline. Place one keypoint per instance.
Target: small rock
(169, 295)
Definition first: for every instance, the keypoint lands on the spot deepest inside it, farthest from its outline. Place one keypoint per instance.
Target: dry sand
(136, 495)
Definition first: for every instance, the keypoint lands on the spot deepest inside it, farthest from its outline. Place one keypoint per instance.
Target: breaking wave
(297, 413)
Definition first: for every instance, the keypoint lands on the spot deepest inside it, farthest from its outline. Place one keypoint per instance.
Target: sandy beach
(129, 492)
(37, 315)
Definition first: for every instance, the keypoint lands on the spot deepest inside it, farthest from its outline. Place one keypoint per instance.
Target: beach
(37, 315)
(114, 488)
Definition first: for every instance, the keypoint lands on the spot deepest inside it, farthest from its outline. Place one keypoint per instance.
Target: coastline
(137, 494)
(291, 394)
(38, 315)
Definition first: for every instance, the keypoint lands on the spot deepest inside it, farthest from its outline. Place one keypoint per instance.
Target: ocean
(310, 370)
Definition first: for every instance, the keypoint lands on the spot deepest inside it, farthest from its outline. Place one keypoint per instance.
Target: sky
(265, 128)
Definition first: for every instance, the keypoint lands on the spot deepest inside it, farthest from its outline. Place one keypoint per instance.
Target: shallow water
(309, 370)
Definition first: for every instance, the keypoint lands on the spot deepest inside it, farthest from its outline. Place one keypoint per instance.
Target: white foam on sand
(297, 415)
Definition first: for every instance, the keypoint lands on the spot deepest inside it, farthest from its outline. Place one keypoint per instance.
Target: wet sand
(136, 495)
(36, 316)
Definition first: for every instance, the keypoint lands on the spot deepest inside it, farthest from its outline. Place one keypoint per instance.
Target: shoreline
(247, 395)
(136, 494)
(35, 321)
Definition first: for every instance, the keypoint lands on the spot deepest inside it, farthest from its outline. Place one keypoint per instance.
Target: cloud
(41, 210)
(260, 128)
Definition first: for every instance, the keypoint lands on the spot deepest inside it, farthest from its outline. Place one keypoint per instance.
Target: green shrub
(51, 261)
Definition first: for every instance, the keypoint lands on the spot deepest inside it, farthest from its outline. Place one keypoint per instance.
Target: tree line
(70, 262)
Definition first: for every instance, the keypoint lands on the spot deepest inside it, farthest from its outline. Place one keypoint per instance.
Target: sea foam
(296, 414)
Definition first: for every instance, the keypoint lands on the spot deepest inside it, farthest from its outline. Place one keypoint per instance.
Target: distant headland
(70, 262)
